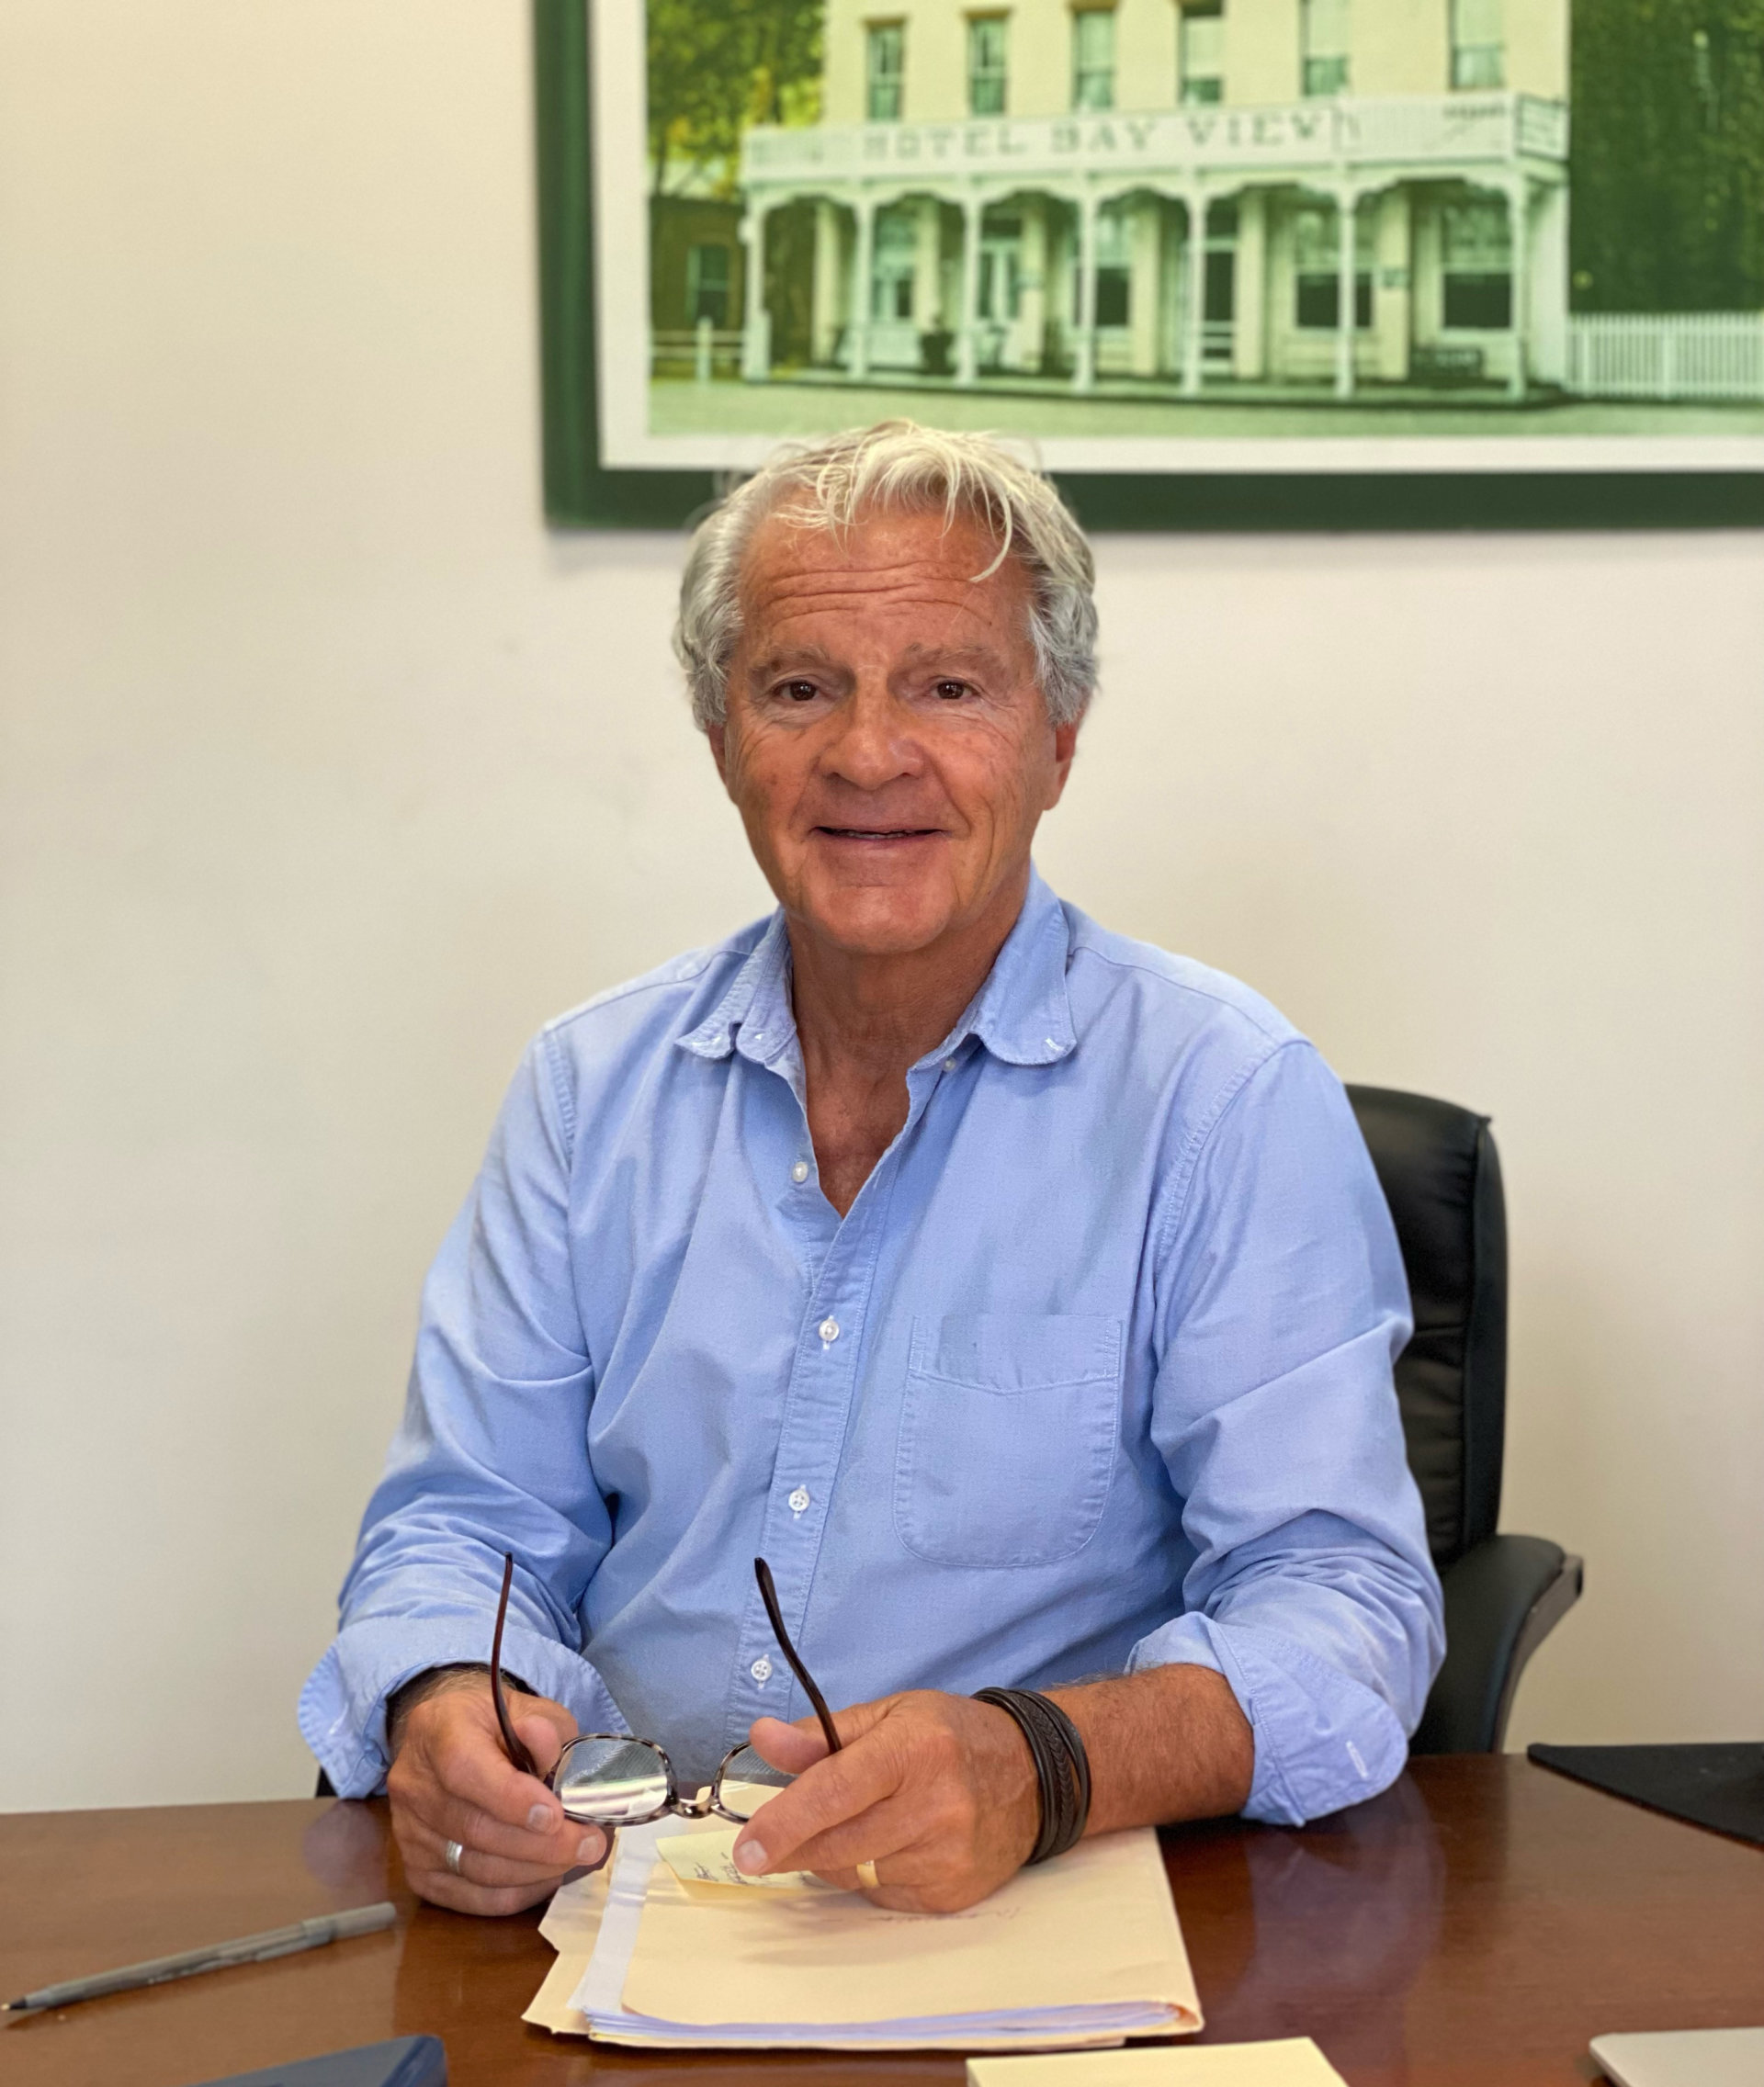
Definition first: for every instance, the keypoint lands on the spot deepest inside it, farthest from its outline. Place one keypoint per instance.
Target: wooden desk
(1478, 1924)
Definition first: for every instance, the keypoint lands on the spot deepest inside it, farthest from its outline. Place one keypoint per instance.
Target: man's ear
(1065, 748)
(714, 733)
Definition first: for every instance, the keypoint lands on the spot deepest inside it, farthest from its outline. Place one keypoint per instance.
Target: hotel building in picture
(1168, 195)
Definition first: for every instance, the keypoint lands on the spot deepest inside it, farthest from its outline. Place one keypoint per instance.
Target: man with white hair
(1022, 1294)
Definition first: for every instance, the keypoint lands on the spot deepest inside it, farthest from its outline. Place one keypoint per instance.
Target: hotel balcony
(1409, 135)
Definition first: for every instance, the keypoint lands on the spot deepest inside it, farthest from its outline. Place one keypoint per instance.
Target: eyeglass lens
(613, 1782)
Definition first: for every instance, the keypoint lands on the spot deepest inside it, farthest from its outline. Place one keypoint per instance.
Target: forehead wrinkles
(938, 578)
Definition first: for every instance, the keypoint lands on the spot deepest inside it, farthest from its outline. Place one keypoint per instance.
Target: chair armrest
(1503, 1597)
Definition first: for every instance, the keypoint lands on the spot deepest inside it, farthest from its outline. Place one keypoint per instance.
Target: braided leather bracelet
(1062, 1765)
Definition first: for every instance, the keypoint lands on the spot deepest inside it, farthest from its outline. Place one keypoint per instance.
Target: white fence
(705, 352)
(1670, 355)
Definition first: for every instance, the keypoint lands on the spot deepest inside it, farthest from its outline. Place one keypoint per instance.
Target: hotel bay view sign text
(1423, 132)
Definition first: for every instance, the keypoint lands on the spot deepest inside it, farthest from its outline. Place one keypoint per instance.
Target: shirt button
(799, 1172)
(829, 1330)
(799, 1500)
(949, 1065)
(762, 1668)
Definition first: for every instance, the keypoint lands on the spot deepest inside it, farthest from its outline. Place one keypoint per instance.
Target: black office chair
(1504, 1595)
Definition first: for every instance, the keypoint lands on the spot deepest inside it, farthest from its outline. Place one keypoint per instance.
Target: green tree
(1667, 163)
(715, 67)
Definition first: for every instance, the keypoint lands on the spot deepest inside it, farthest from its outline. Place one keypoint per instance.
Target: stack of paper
(1083, 1952)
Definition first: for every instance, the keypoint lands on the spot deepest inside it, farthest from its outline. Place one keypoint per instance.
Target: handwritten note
(709, 1859)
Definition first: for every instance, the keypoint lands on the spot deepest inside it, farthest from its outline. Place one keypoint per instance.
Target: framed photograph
(1223, 263)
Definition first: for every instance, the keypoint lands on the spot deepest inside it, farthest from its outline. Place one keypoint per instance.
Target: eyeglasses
(611, 1779)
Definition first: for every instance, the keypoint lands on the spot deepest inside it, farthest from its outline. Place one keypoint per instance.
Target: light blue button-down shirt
(1094, 1376)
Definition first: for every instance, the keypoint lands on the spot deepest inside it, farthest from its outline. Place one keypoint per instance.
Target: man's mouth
(879, 832)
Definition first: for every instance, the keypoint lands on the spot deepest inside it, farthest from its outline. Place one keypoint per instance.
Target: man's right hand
(450, 1780)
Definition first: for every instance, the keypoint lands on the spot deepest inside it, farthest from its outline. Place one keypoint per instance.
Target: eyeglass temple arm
(517, 1753)
(769, 1596)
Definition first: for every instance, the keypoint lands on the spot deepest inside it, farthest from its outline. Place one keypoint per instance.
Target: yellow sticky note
(1290, 2061)
(709, 1859)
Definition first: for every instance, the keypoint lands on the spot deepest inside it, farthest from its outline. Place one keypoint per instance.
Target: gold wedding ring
(867, 1877)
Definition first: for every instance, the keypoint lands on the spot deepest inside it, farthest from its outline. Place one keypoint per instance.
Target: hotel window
(986, 65)
(894, 265)
(1201, 39)
(1316, 267)
(1477, 258)
(885, 69)
(1093, 58)
(1324, 25)
(1477, 52)
(708, 275)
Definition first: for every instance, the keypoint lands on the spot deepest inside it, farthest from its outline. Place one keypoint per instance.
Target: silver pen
(217, 1957)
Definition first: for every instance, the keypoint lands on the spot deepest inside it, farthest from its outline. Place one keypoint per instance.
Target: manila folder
(1095, 1928)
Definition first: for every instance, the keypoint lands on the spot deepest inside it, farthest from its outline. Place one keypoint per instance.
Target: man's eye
(951, 692)
(798, 692)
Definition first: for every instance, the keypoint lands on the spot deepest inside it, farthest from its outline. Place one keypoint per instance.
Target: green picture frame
(581, 492)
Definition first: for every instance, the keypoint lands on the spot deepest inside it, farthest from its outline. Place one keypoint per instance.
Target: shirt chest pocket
(1008, 1430)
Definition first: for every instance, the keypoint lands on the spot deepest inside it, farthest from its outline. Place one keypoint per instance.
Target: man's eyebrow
(789, 656)
(952, 655)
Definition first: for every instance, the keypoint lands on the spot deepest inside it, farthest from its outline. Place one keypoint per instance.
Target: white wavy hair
(901, 466)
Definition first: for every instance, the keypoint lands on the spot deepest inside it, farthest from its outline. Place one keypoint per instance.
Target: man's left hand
(938, 1791)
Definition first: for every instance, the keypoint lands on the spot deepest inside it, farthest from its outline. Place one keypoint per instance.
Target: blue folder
(406, 2061)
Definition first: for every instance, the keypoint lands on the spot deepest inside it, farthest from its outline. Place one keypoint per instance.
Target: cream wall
(329, 774)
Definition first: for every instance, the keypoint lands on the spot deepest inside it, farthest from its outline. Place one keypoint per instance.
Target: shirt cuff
(343, 1706)
(1322, 1739)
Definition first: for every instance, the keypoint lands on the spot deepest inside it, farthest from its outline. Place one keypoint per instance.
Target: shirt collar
(755, 1013)
(1023, 1013)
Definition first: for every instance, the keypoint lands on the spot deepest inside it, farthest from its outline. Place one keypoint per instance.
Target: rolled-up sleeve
(492, 1458)
(1282, 1306)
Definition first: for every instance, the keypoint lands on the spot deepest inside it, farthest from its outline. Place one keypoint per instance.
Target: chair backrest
(1441, 1176)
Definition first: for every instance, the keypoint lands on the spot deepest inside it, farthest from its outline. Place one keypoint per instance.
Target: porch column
(967, 332)
(1084, 361)
(827, 300)
(1345, 199)
(1037, 271)
(756, 332)
(1519, 218)
(1194, 201)
(928, 264)
(1249, 328)
(1547, 313)
(864, 212)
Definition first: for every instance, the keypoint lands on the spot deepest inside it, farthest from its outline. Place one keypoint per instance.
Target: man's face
(887, 742)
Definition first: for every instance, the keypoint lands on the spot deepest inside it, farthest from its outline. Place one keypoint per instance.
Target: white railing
(704, 350)
(1445, 130)
(1667, 355)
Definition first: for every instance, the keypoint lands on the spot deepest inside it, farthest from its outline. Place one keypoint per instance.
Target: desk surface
(1478, 1923)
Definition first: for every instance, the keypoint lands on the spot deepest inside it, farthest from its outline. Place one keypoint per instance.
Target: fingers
(544, 1729)
(452, 1782)
(428, 1850)
(466, 1751)
(792, 1748)
(938, 1791)
(830, 1790)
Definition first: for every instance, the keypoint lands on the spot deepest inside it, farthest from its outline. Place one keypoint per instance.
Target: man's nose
(875, 743)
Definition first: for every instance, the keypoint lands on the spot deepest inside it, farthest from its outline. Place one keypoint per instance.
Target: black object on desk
(405, 2062)
(1719, 1786)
